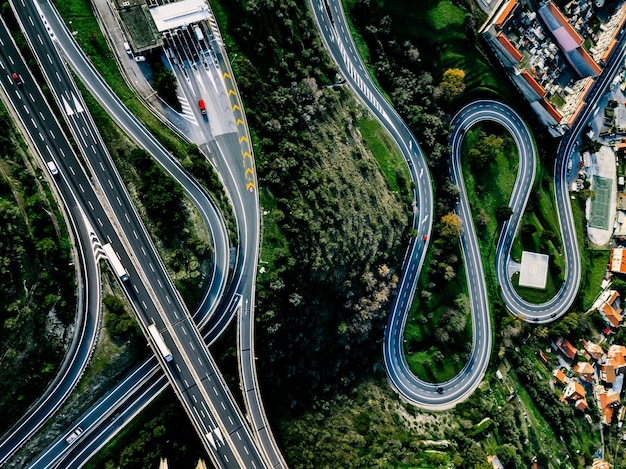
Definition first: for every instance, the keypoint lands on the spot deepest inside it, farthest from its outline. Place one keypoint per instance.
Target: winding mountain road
(336, 37)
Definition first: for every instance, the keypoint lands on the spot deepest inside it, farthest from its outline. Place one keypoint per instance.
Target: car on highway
(425, 238)
(52, 167)
(439, 390)
(202, 107)
(17, 79)
(71, 438)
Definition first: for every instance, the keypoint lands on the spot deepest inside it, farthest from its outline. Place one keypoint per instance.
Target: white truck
(199, 34)
(119, 269)
(160, 343)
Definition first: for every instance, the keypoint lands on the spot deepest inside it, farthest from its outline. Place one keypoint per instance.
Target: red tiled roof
(558, 374)
(584, 368)
(578, 389)
(554, 113)
(581, 404)
(610, 48)
(585, 55)
(575, 113)
(618, 260)
(611, 315)
(558, 15)
(609, 373)
(502, 39)
(508, 9)
(594, 349)
(533, 83)
(568, 349)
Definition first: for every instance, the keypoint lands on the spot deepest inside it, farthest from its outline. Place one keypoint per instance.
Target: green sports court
(601, 204)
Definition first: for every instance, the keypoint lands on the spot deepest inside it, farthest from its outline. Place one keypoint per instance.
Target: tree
(507, 454)
(490, 145)
(450, 226)
(165, 84)
(503, 213)
(482, 219)
(452, 85)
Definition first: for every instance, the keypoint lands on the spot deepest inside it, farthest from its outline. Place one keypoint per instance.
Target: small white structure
(534, 270)
(179, 14)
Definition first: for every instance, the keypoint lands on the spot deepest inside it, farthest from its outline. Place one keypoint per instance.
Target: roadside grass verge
(597, 261)
(386, 153)
(274, 245)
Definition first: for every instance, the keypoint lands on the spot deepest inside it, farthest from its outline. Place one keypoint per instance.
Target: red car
(17, 79)
(425, 238)
(202, 107)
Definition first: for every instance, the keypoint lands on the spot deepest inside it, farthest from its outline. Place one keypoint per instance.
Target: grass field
(386, 154)
(592, 276)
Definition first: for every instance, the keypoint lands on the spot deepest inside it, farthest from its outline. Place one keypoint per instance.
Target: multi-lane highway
(88, 306)
(229, 423)
(246, 264)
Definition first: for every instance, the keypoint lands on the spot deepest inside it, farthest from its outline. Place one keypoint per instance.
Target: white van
(127, 48)
(52, 167)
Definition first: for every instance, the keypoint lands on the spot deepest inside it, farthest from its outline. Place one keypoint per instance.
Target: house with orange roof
(617, 261)
(617, 355)
(594, 350)
(586, 371)
(574, 391)
(504, 13)
(608, 305)
(608, 402)
(560, 376)
(607, 373)
(566, 348)
(581, 404)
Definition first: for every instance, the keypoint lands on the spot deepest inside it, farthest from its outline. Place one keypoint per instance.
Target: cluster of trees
(366, 428)
(485, 149)
(188, 253)
(160, 194)
(322, 305)
(164, 82)
(164, 434)
(120, 325)
(558, 414)
(36, 280)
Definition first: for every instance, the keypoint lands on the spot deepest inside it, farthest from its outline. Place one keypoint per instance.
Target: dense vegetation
(37, 304)
(164, 432)
(338, 228)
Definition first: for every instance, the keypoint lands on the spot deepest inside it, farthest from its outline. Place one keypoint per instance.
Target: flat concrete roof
(177, 14)
(534, 270)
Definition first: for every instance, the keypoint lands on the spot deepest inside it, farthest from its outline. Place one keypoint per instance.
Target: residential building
(617, 261)
(560, 376)
(608, 305)
(566, 348)
(585, 371)
(544, 53)
(593, 349)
